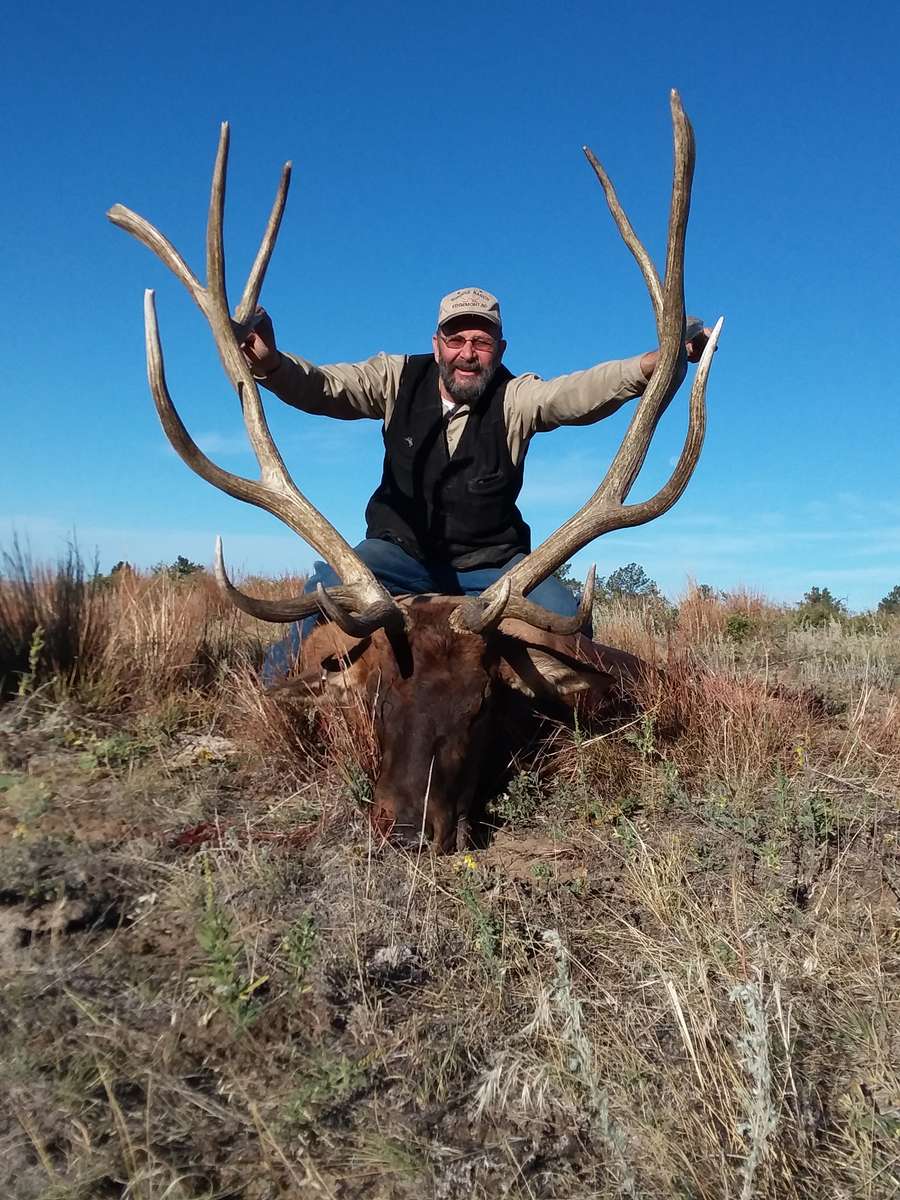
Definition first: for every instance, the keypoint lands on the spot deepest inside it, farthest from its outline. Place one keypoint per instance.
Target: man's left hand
(697, 344)
(694, 349)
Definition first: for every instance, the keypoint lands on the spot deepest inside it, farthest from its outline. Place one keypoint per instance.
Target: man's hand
(697, 344)
(694, 348)
(257, 342)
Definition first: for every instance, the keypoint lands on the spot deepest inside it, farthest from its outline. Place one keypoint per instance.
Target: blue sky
(436, 147)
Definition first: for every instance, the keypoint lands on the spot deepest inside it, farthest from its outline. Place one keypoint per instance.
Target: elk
(446, 676)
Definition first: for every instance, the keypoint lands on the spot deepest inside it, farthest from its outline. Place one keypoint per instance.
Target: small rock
(395, 966)
(204, 748)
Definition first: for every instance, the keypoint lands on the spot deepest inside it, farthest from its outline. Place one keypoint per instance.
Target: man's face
(467, 351)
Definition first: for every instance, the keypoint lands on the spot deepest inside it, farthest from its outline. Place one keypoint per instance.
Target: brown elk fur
(452, 709)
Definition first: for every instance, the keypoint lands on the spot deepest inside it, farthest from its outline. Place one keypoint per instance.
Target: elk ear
(541, 674)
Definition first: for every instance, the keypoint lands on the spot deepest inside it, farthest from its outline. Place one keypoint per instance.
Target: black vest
(461, 509)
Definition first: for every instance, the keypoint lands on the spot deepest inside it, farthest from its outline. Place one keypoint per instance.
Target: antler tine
(381, 613)
(215, 236)
(271, 464)
(250, 298)
(481, 617)
(606, 509)
(551, 622)
(673, 489)
(175, 430)
(139, 227)
(282, 610)
(629, 237)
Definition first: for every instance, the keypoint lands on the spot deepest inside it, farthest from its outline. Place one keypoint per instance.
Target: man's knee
(321, 573)
(554, 596)
(391, 565)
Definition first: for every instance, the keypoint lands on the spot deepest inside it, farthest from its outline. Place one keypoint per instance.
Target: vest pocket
(488, 485)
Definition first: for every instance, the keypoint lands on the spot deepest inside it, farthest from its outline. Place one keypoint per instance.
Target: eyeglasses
(482, 345)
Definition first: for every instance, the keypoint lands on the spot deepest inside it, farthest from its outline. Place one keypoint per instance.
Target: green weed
(119, 750)
(35, 650)
(25, 800)
(225, 981)
(325, 1081)
(357, 785)
(485, 925)
(643, 737)
(521, 800)
(298, 947)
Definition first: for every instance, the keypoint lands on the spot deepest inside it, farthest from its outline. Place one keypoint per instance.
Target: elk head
(441, 672)
(451, 708)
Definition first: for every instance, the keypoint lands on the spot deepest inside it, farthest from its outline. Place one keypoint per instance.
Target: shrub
(819, 607)
(181, 568)
(738, 627)
(889, 606)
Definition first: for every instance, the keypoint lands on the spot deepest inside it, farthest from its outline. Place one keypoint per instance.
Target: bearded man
(457, 426)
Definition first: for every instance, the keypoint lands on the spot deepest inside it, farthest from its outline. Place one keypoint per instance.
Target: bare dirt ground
(675, 970)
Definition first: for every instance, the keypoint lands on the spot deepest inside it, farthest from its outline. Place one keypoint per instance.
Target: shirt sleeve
(347, 391)
(534, 405)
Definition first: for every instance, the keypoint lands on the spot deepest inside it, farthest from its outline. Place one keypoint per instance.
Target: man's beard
(466, 391)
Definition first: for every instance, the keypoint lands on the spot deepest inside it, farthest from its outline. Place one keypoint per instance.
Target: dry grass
(703, 616)
(130, 640)
(674, 973)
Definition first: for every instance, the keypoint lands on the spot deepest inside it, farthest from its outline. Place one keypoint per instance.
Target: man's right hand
(257, 342)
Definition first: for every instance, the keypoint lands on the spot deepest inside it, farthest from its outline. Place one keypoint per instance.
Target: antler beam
(606, 509)
(362, 601)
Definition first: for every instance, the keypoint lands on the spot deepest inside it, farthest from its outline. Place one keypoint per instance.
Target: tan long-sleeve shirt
(349, 391)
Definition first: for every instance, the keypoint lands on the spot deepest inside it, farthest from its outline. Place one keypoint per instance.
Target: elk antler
(606, 509)
(362, 603)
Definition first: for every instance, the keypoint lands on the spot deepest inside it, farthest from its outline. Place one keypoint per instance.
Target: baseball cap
(470, 302)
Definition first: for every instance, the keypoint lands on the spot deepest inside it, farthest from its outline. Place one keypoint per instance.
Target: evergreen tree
(631, 580)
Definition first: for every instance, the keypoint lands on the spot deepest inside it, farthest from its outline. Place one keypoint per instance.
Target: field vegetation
(673, 971)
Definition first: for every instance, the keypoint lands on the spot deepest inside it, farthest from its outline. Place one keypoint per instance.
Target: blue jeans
(402, 574)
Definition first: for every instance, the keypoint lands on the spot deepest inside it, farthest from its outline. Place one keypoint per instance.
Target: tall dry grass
(743, 693)
(703, 615)
(130, 640)
(302, 737)
(740, 694)
(52, 622)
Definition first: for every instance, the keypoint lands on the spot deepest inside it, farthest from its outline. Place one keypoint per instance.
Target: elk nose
(407, 839)
(401, 832)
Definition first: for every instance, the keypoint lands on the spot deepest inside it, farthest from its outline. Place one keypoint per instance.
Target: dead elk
(441, 671)
(451, 709)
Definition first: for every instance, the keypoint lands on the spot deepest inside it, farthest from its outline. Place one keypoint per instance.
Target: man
(457, 426)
